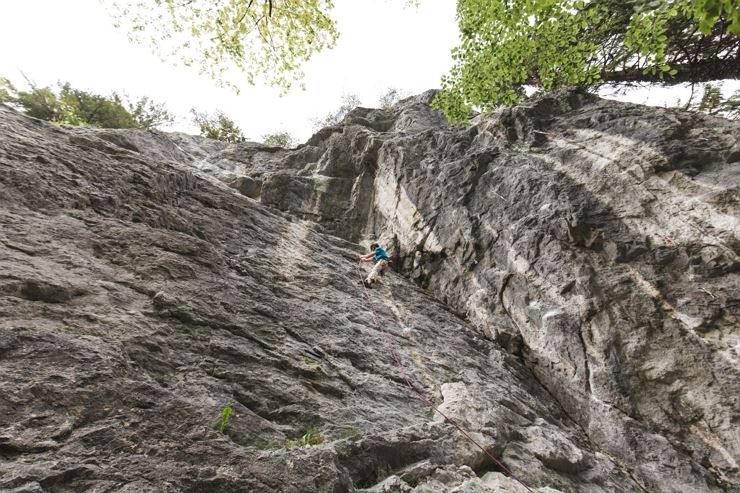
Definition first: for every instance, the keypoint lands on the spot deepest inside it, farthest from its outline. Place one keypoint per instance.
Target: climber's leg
(379, 267)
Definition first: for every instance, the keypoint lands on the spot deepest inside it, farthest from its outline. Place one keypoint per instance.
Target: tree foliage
(218, 126)
(713, 103)
(84, 108)
(391, 96)
(149, 114)
(349, 102)
(270, 39)
(279, 139)
(506, 44)
(39, 102)
(70, 106)
(267, 38)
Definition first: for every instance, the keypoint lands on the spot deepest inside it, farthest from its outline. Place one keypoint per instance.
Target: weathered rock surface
(566, 286)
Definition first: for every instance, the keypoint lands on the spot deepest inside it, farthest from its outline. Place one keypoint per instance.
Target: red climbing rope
(420, 395)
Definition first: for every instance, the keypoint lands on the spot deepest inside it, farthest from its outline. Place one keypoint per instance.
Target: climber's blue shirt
(380, 254)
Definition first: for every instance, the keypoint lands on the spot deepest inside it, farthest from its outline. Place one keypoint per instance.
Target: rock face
(565, 285)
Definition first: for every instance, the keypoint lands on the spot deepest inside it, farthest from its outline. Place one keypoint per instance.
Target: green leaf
(258, 38)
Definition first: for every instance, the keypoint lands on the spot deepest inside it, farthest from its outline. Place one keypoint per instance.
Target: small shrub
(279, 139)
(363, 484)
(391, 96)
(77, 331)
(413, 482)
(349, 102)
(350, 434)
(223, 422)
(713, 103)
(262, 444)
(544, 483)
(316, 373)
(311, 437)
(218, 126)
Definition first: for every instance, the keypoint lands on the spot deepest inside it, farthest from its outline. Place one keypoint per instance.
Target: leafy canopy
(218, 126)
(70, 106)
(262, 38)
(506, 44)
(267, 39)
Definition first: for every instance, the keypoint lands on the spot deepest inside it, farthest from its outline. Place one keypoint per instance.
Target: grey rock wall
(565, 285)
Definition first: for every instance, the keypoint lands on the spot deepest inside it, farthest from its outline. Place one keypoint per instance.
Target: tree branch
(702, 70)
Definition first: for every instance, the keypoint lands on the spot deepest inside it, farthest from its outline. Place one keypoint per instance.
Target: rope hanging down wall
(422, 397)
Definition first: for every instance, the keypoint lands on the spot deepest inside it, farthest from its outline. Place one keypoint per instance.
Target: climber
(380, 257)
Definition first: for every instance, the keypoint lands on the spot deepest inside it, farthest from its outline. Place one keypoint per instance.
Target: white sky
(381, 44)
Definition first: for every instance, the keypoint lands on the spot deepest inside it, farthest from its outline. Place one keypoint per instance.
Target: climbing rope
(422, 397)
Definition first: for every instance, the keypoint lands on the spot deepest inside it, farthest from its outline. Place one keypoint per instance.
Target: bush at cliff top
(70, 106)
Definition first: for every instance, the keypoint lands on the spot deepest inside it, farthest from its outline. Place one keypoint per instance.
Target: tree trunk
(702, 71)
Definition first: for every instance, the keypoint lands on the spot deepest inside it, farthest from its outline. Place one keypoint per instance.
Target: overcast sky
(381, 45)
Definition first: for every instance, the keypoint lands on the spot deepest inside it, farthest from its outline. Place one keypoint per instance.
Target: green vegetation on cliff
(506, 44)
(70, 106)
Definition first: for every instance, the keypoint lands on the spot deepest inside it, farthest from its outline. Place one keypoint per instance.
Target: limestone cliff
(565, 284)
